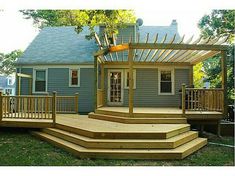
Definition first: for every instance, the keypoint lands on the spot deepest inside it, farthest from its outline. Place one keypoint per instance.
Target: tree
(199, 76)
(7, 62)
(219, 22)
(112, 19)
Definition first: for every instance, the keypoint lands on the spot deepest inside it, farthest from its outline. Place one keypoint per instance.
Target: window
(10, 81)
(166, 82)
(127, 79)
(74, 80)
(8, 91)
(40, 80)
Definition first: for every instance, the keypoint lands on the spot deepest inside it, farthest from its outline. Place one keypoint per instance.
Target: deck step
(122, 143)
(127, 131)
(82, 152)
(138, 120)
(139, 115)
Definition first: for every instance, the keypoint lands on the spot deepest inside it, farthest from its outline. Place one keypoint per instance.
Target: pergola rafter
(170, 51)
(166, 52)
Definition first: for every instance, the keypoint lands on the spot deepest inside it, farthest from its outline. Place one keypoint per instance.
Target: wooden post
(224, 87)
(30, 86)
(95, 81)
(46, 105)
(19, 80)
(218, 129)
(130, 60)
(102, 83)
(18, 100)
(54, 107)
(76, 102)
(1, 107)
(191, 75)
(224, 80)
(183, 99)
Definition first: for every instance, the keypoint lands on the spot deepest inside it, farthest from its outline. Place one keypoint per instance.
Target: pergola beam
(24, 75)
(101, 52)
(136, 63)
(178, 46)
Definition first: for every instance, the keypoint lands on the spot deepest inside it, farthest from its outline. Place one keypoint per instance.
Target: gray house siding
(146, 92)
(58, 80)
(24, 85)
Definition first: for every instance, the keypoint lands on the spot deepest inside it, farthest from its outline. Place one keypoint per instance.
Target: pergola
(157, 53)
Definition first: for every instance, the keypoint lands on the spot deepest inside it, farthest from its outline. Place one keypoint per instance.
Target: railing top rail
(27, 96)
(65, 96)
(219, 89)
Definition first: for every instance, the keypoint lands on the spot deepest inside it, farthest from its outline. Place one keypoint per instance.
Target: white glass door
(115, 87)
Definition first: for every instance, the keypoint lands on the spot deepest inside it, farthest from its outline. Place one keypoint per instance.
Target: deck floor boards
(155, 110)
(83, 122)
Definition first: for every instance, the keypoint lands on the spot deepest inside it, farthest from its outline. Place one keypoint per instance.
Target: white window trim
(8, 81)
(70, 75)
(34, 79)
(172, 80)
(125, 79)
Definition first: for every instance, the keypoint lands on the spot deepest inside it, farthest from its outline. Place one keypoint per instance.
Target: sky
(17, 32)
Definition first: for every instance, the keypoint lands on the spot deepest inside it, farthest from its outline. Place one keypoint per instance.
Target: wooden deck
(92, 138)
(105, 129)
(155, 110)
(163, 112)
(26, 123)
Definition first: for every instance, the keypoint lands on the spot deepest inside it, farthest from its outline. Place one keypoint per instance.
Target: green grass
(19, 148)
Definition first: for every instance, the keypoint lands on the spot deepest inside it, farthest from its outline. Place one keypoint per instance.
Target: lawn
(19, 148)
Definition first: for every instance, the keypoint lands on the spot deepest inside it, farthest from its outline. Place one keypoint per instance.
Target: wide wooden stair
(92, 138)
(139, 118)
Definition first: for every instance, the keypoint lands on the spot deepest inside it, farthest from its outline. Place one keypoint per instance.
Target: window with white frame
(10, 81)
(166, 82)
(127, 79)
(74, 78)
(40, 80)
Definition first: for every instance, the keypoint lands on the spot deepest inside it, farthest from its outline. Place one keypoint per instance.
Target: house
(136, 86)
(61, 60)
(7, 84)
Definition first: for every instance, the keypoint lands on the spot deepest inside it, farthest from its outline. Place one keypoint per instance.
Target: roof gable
(59, 45)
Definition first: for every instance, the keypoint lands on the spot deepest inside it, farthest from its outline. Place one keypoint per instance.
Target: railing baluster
(183, 99)
(37, 107)
(204, 99)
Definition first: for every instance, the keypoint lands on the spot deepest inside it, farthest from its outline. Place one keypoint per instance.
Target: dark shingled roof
(59, 45)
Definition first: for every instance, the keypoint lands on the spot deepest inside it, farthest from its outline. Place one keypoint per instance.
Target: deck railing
(197, 99)
(67, 104)
(29, 107)
(36, 107)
